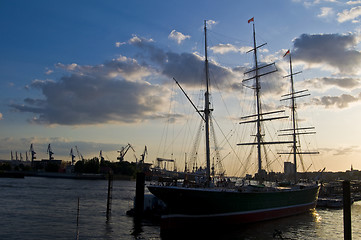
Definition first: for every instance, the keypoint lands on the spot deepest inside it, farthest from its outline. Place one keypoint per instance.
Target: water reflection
(295, 227)
(137, 227)
(108, 229)
(316, 216)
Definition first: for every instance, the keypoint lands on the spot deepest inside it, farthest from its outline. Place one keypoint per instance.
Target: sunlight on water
(317, 218)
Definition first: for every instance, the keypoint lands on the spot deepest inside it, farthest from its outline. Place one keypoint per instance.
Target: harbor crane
(101, 156)
(124, 151)
(145, 152)
(79, 154)
(50, 152)
(32, 152)
(72, 156)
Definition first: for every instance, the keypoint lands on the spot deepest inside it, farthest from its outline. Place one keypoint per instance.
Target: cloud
(68, 67)
(84, 100)
(341, 101)
(226, 48)
(326, 12)
(333, 50)
(187, 68)
(122, 67)
(211, 23)
(353, 2)
(310, 3)
(49, 71)
(346, 150)
(135, 39)
(327, 82)
(113, 92)
(120, 90)
(124, 91)
(341, 151)
(118, 44)
(178, 36)
(348, 15)
(271, 84)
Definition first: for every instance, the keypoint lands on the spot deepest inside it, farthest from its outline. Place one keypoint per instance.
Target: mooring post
(77, 221)
(139, 194)
(109, 199)
(347, 210)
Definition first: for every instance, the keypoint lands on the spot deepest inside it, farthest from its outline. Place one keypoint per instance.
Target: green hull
(199, 202)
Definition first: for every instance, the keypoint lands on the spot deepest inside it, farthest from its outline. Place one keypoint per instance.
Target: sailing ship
(208, 204)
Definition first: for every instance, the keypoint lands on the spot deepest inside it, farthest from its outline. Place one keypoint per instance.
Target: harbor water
(46, 208)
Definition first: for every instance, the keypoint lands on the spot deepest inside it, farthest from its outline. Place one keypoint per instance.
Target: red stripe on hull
(173, 222)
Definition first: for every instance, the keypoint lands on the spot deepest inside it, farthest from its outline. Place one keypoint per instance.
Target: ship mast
(206, 108)
(293, 108)
(206, 111)
(259, 114)
(258, 134)
(295, 130)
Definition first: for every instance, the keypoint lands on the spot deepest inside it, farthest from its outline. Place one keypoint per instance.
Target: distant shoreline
(80, 176)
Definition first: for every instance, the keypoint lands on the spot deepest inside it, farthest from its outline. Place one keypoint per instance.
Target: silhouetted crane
(123, 151)
(143, 155)
(32, 152)
(79, 154)
(50, 152)
(72, 156)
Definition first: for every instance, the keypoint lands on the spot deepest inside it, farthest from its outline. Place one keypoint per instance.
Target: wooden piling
(347, 210)
(109, 199)
(139, 194)
(77, 220)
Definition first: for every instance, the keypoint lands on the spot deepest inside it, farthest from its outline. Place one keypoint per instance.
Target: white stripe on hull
(234, 213)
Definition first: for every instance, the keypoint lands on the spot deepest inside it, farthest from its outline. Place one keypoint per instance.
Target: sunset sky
(99, 74)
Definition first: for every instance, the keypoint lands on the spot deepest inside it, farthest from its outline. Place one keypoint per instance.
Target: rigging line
(229, 116)
(230, 37)
(300, 155)
(227, 110)
(221, 95)
(248, 159)
(165, 126)
(217, 152)
(196, 143)
(301, 158)
(244, 102)
(271, 149)
(265, 158)
(228, 136)
(189, 134)
(227, 140)
(276, 159)
(199, 99)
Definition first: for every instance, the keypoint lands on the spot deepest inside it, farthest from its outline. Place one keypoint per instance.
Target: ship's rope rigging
(195, 154)
(195, 133)
(303, 132)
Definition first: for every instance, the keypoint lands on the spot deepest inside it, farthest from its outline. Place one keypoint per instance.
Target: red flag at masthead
(288, 52)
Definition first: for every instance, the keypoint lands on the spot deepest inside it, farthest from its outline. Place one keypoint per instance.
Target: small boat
(331, 202)
(205, 204)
